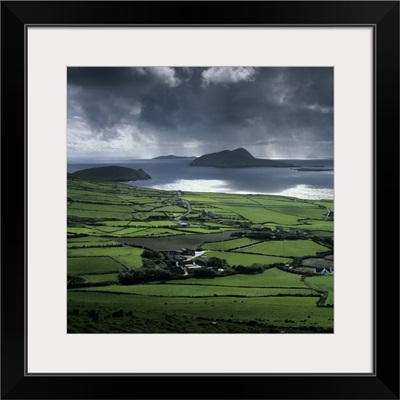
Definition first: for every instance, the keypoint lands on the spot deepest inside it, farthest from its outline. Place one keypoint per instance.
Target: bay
(176, 174)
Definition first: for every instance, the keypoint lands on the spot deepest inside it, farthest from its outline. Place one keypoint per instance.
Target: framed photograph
(209, 195)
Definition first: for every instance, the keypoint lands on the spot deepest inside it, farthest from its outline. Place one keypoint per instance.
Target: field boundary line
(196, 297)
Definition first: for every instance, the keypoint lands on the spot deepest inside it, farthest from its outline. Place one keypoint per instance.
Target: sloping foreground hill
(112, 174)
(239, 158)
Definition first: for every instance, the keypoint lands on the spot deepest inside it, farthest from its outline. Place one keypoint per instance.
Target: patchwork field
(145, 260)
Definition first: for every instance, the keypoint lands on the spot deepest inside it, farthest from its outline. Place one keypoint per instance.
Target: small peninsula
(112, 174)
(238, 158)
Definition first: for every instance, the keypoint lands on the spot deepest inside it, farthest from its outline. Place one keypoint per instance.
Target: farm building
(187, 252)
(174, 254)
(323, 271)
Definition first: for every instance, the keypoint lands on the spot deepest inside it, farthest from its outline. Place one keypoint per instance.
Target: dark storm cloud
(109, 96)
(195, 110)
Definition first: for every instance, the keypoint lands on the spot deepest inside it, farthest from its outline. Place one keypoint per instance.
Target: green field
(100, 278)
(146, 232)
(246, 259)
(273, 277)
(204, 230)
(126, 256)
(81, 230)
(110, 225)
(106, 251)
(316, 225)
(88, 239)
(301, 212)
(256, 215)
(328, 204)
(99, 215)
(150, 224)
(94, 242)
(91, 265)
(288, 248)
(100, 208)
(323, 283)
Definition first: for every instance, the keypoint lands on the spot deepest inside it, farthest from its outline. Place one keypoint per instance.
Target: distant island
(171, 157)
(238, 158)
(112, 174)
(312, 155)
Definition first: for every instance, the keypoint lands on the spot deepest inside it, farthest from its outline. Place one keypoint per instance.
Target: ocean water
(176, 174)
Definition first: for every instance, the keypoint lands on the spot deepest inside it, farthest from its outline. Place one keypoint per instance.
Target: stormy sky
(144, 112)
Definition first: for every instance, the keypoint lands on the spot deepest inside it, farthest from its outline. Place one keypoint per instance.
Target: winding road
(189, 210)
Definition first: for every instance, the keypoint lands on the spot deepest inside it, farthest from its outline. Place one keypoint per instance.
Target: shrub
(253, 269)
(204, 273)
(118, 313)
(151, 254)
(148, 263)
(216, 262)
(140, 275)
(73, 280)
(94, 315)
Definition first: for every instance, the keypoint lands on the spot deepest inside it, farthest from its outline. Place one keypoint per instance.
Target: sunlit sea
(176, 174)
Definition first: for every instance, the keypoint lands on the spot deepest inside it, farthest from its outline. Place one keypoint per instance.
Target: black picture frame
(383, 383)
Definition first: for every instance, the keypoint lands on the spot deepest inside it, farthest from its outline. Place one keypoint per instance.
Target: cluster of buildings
(187, 258)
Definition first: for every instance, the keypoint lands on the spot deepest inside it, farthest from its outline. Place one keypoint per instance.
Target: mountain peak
(241, 152)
